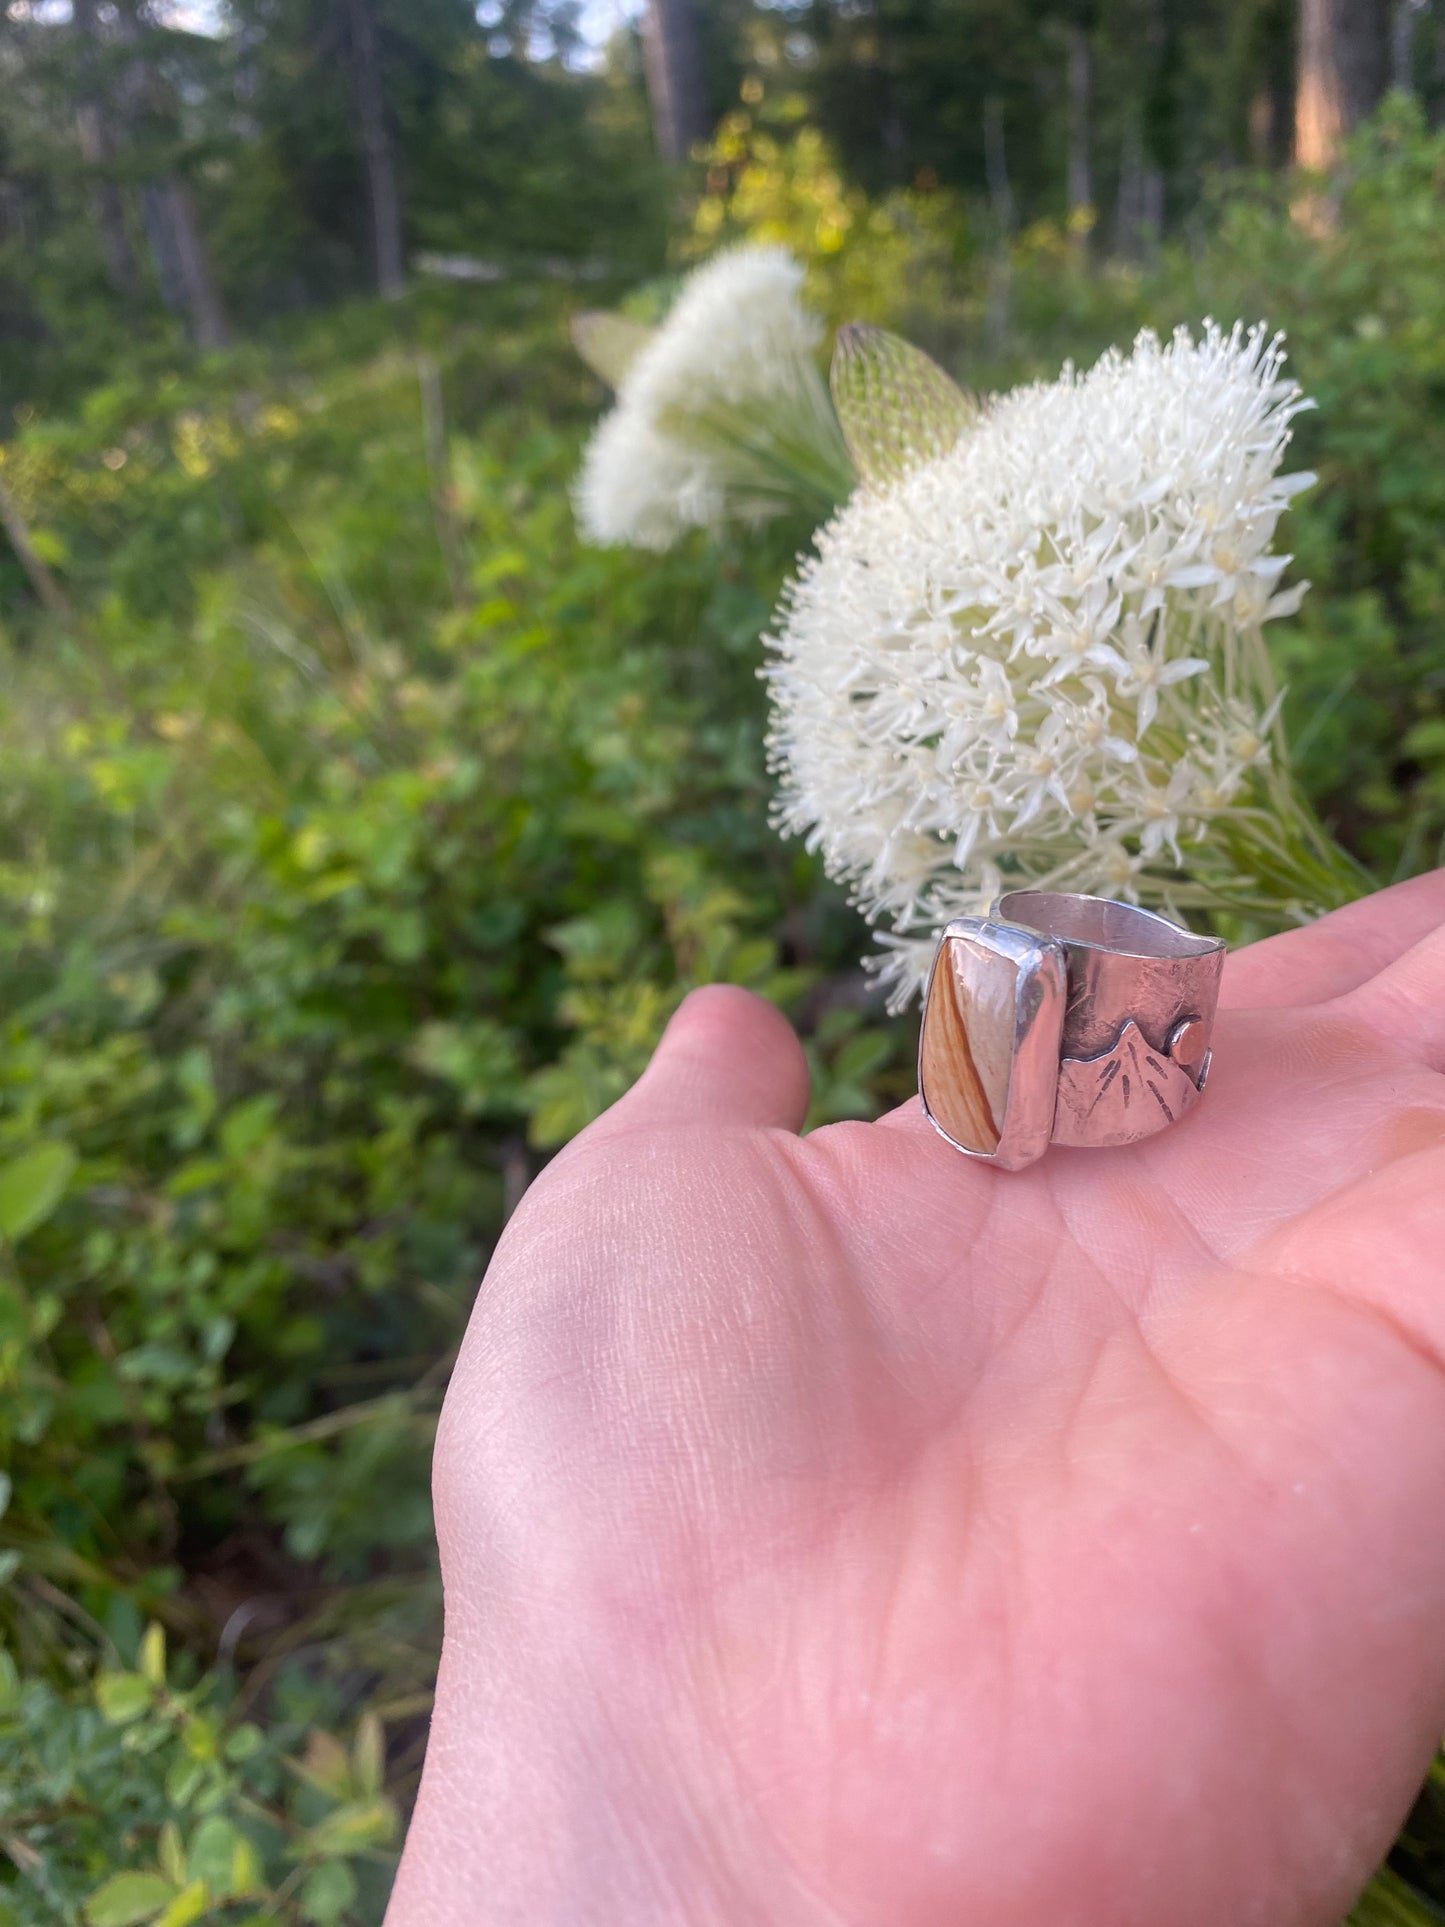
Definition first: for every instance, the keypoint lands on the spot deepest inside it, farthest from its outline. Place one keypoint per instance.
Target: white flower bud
(719, 413)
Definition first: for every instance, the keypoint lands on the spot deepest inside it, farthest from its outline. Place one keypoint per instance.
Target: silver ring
(1064, 1019)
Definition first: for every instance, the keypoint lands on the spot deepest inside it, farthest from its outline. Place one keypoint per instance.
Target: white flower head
(722, 412)
(1038, 657)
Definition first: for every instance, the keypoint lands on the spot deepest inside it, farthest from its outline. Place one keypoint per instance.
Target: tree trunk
(1261, 127)
(1081, 184)
(13, 225)
(1402, 44)
(674, 78)
(97, 150)
(182, 263)
(995, 166)
(1005, 213)
(107, 209)
(209, 324)
(1344, 67)
(178, 248)
(1129, 203)
(48, 591)
(1151, 203)
(894, 135)
(382, 192)
(165, 257)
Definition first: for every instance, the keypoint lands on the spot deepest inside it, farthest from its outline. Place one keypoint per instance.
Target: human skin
(838, 1530)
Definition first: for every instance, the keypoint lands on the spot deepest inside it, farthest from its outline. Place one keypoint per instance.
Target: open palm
(839, 1530)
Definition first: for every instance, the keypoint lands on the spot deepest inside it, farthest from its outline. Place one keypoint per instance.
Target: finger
(727, 1057)
(1345, 949)
(1406, 1001)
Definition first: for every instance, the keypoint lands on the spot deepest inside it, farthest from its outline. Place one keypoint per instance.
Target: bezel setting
(1040, 997)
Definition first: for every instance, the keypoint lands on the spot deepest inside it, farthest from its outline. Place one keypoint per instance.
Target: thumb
(727, 1057)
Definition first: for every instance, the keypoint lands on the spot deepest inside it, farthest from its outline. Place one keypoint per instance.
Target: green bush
(337, 892)
(144, 1801)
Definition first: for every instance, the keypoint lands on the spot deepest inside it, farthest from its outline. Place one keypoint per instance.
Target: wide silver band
(1064, 1019)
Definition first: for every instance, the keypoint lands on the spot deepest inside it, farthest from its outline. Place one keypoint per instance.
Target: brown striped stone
(968, 1041)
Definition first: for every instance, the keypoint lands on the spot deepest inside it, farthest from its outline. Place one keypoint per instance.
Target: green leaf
(1389, 1901)
(609, 343)
(31, 1186)
(122, 1697)
(368, 1754)
(225, 1859)
(189, 1906)
(750, 962)
(184, 1780)
(326, 1766)
(248, 1876)
(203, 1738)
(172, 1854)
(244, 1743)
(127, 1898)
(46, 1308)
(5, 1490)
(351, 1828)
(153, 1654)
(862, 1055)
(250, 1122)
(327, 1892)
(1426, 739)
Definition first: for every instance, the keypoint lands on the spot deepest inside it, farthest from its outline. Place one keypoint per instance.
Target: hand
(836, 1530)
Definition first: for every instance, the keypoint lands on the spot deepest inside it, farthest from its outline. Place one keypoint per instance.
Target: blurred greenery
(358, 836)
(359, 829)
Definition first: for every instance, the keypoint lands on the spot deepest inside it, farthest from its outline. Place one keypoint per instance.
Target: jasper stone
(966, 1052)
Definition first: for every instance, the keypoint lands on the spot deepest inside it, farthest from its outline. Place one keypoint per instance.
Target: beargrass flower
(722, 412)
(1039, 656)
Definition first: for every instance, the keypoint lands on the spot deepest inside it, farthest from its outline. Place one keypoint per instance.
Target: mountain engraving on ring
(1130, 1090)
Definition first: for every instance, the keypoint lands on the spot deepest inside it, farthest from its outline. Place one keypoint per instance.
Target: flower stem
(1282, 848)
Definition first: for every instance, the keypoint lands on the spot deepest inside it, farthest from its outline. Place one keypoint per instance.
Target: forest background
(359, 827)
